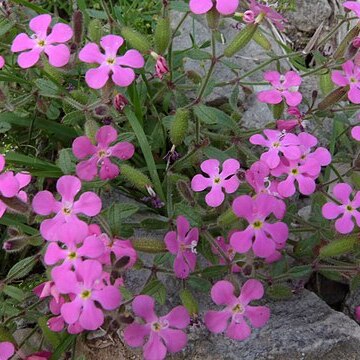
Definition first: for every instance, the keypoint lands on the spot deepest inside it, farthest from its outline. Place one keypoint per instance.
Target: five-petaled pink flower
(260, 235)
(277, 142)
(85, 285)
(67, 209)
(271, 14)
(182, 243)
(284, 86)
(354, 6)
(237, 309)
(350, 76)
(226, 179)
(224, 7)
(120, 67)
(7, 350)
(347, 209)
(163, 332)
(98, 157)
(41, 41)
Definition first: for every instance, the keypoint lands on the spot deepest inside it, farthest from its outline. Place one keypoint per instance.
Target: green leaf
(47, 88)
(14, 220)
(14, 292)
(213, 116)
(192, 216)
(197, 54)
(179, 6)
(300, 271)
(116, 213)
(188, 300)
(73, 118)
(199, 283)
(279, 292)
(66, 161)
(340, 246)
(214, 271)
(22, 268)
(156, 289)
(65, 344)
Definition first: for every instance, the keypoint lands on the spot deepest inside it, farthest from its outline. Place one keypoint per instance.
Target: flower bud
(119, 102)
(356, 42)
(137, 41)
(179, 126)
(186, 192)
(148, 245)
(100, 111)
(162, 35)
(95, 30)
(78, 21)
(340, 51)
(262, 40)
(161, 67)
(241, 40)
(333, 97)
(194, 76)
(16, 205)
(135, 177)
(249, 17)
(15, 244)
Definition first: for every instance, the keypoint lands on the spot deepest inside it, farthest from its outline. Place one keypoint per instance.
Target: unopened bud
(241, 40)
(16, 205)
(15, 244)
(179, 126)
(194, 76)
(333, 97)
(148, 245)
(186, 192)
(78, 20)
(213, 18)
(162, 35)
(249, 17)
(119, 102)
(101, 111)
(135, 177)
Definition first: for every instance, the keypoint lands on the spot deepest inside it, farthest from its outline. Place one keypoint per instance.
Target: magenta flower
(182, 243)
(224, 7)
(23, 180)
(237, 309)
(2, 62)
(41, 41)
(355, 133)
(348, 208)
(303, 172)
(354, 6)
(271, 14)
(163, 332)
(350, 76)
(67, 209)
(228, 250)
(98, 157)
(291, 124)
(120, 67)
(321, 155)
(284, 86)
(7, 350)
(74, 249)
(120, 248)
(277, 142)
(260, 235)
(226, 179)
(84, 284)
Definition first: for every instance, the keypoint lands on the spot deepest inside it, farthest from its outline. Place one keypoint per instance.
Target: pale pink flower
(260, 235)
(355, 133)
(98, 156)
(7, 350)
(182, 243)
(283, 87)
(41, 41)
(354, 6)
(2, 62)
(237, 309)
(163, 333)
(67, 209)
(226, 179)
(304, 172)
(224, 7)
(23, 180)
(119, 67)
(349, 76)
(120, 248)
(84, 284)
(277, 142)
(261, 9)
(346, 212)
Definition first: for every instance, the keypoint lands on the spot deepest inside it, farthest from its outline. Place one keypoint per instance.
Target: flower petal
(111, 44)
(91, 53)
(109, 297)
(178, 317)
(83, 147)
(68, 186)
(131, 58)
(200, 182)
(39, 24)
(175, 340)
(29, 58)
(89, 271)
(91, 317)
(171, 242)
(123, 150)
(270, 96)
(106, 135)
(251, 290)
(134, 334)
(217, 321)
(238, 331)
(44, 203)
(342, 192)
(227, 7)
(200, 6)
(60, 33)
(122, 76)
(258, 315)
(154, 349)
(241, 241)
(331, 210)
(22, 42)
(59, 55)
(222, 293)
(98, 77)
(345, 224)
(215, 197)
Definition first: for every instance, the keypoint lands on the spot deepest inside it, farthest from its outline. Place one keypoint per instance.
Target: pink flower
(354, 6)
(348, 208)
(163, 332)
(161, 67)
(98, 157)
(224, 7)
(277, 142)
(308, 141)
(226, 179)
(2, 62)
(42, 355)
(271, 14)
(355, 133)
(284, 86)
(23, 180)
(120, 248)
(291, 124)
(258, 178)
(40, 41)
(249, 17)
(75, 248)
(7, 350)
(120, 67)
(182, 243)
(67, 209)
(84, 284)
(263, 237)
(303, 172)
(350, 76)
(237, 309)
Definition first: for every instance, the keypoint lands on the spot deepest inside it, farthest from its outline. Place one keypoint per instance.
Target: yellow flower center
(295, 171)
(72, 255)
(349, 208)
(276, 144)
(156, 326)
(41, 43)
(86, 294)
(110, 61)
(66, 211)
(257, 224)
(217, 181)
(238, 308)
